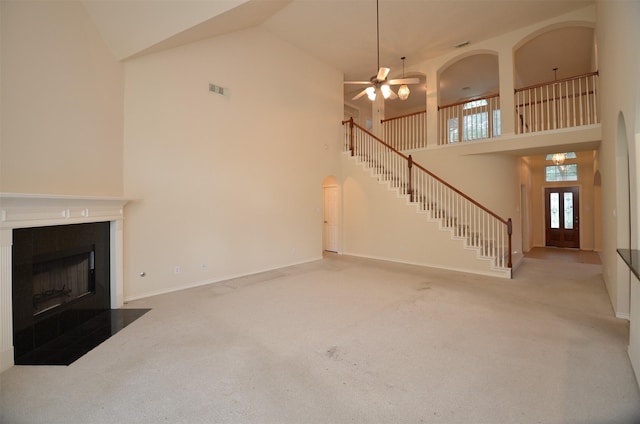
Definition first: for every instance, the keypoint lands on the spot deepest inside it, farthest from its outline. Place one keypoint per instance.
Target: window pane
(496, 122)
(554, 206)
(475, 103)
(567, 155)
(475, 126)
(453, 130)
(568, 211)
(561, 172)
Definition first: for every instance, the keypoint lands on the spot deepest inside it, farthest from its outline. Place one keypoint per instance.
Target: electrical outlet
(177, 269)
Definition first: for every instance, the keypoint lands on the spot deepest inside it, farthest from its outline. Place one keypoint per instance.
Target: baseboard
(624, 316)
(212, 281)
(497, 274)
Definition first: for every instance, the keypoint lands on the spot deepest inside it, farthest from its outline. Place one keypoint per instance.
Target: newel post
(351, 135)
(409, 185)
(509, 232)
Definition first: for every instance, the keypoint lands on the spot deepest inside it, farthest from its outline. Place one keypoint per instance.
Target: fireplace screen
(61, 278)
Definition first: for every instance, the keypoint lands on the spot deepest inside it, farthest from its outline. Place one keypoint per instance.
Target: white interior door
(331, 225)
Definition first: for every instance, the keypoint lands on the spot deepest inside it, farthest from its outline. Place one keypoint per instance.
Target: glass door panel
(561, 216)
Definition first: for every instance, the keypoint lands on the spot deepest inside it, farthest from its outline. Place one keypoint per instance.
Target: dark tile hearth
(73, 344)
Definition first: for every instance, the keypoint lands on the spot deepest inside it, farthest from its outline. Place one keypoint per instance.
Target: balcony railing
(565, 103)
(406, 132)
(469, 120)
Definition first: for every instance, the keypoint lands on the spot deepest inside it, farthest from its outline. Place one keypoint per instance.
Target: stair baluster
(464, 217)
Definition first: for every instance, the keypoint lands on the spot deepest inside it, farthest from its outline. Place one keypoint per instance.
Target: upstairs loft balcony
(568, 103)
(548, 110)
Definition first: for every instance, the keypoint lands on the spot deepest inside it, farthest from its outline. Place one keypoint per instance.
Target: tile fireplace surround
(19, 210)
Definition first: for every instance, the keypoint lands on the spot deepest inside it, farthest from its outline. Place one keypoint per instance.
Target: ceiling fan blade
(357, 82)
(393, 95)
(404, 81)
(382, 74)
(360, 94)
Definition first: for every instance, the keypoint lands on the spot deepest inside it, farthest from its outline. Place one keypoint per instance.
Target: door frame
(338, 218)
(578, 216)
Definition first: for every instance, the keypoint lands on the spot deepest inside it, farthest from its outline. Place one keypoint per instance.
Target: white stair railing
(469, 120)
(465, 217)
(406, 132)
(565, 103)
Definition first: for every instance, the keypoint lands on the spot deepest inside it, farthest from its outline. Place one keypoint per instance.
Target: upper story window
(565, 155)
(561, 171)
(475, 122)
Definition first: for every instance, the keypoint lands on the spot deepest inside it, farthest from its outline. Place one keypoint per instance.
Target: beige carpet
(347, 340)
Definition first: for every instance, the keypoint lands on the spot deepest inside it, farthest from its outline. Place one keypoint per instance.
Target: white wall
(380, 224)
(617, 34)
(62, 102)
(234, 182)
(132, 26)
(490, 179)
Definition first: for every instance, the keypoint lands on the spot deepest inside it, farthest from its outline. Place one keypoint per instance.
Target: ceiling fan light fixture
(403, 92)
(386, 90)
(371, 93)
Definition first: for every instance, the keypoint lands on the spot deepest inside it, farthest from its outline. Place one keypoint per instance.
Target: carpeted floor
(347, 340)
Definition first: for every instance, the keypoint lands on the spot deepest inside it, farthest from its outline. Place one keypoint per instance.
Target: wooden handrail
(473, 99)
(542, 84)
(553, 99)
(490, 212)
(510, 233)
(409, 182)
(382, 121)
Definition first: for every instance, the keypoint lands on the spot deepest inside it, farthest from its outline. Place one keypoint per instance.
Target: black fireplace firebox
(62, 277)
(60, 280)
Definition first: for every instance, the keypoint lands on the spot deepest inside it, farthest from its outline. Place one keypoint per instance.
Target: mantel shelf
(21, 210)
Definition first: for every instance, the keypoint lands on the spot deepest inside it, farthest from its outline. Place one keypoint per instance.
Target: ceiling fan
(379, 81)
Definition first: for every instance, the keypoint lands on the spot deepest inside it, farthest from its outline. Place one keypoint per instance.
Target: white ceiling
(342, 33)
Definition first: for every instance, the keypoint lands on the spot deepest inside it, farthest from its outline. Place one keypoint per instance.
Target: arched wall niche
(597, 179)
(330, 181)
(467, 76)
(552, 27)
(635, 172)
(623, 184)
(623, 214)
(558, 51)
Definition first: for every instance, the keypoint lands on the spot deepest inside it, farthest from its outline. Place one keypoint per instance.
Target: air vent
(462, 44)
(218, 90)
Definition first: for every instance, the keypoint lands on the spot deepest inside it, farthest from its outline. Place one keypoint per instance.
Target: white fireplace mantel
(23, 210)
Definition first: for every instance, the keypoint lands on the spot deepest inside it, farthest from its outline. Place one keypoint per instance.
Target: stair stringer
(400, 230)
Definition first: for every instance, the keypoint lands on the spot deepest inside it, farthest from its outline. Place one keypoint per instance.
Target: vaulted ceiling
(342, 33)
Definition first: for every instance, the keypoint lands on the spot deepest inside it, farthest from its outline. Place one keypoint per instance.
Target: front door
(331, 228)
(562, 217)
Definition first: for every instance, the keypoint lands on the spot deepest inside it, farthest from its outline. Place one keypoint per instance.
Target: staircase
(467, 220)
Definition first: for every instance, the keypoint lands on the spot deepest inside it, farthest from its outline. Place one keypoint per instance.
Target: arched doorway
(623, 214)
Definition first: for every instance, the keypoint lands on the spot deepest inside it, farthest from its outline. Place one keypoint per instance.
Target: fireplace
(20, 212)
(60, 281)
